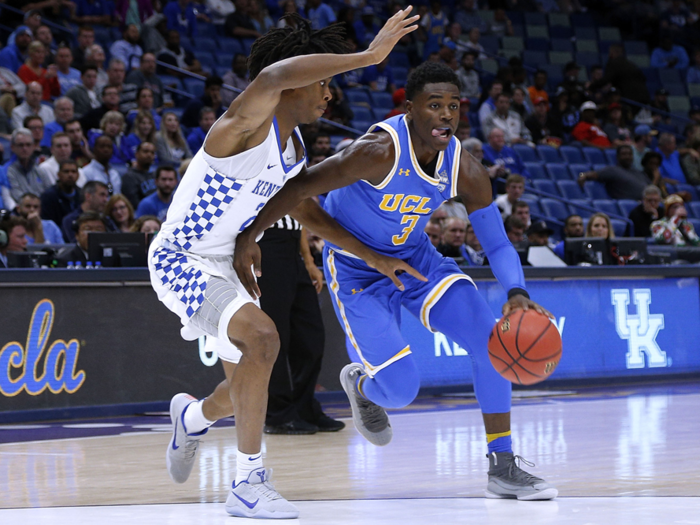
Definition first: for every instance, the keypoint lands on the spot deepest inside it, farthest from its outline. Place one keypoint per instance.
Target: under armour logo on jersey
(357, 291)
(639, 330)
(406, 172)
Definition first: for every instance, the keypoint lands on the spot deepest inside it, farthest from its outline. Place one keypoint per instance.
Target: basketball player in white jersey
(248, 155)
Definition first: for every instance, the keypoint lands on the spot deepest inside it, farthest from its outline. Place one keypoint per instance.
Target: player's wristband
(518, 291)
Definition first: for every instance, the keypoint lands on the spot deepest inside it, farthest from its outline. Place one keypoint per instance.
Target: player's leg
(464, 316)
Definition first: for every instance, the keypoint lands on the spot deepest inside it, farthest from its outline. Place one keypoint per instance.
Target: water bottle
(88, 265)
(98, 265)
(70, 265)
(78, 265)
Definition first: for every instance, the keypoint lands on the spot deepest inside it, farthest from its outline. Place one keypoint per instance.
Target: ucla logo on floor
(639, 330)
(32, 368)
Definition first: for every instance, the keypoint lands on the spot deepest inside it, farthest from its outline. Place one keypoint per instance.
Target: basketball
(525, 347)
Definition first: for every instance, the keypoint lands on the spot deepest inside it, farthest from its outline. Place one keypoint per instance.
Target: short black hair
(429, 73)
(165, 167)
(213, 81)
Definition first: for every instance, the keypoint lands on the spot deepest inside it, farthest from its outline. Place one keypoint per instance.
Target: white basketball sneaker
(257, 498)
(182, 448)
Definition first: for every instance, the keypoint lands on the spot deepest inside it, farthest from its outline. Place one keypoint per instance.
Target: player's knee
(261, 343)
(400, 383)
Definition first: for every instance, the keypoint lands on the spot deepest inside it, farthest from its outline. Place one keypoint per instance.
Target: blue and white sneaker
(182, 448)
(257, 498)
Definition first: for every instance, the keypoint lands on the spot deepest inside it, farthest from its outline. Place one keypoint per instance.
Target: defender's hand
(521, 302)
(389, 266)
(247, 254)
(394, 29)
(316, 277)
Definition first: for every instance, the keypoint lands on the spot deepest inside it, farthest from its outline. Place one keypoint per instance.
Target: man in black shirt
(621, 181)
(138, 181)
(647, 212)
(64, 197)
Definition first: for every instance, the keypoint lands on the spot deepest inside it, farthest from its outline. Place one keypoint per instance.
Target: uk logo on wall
(639, 329)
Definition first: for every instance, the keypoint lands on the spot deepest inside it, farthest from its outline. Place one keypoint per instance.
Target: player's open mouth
(443, 134)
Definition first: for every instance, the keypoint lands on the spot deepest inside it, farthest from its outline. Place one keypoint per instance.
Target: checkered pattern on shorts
(175, 272)
(215, 192)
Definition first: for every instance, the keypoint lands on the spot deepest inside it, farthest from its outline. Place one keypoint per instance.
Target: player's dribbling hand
(245, 256)
(518, 302)
(389, 266)
(394, 30)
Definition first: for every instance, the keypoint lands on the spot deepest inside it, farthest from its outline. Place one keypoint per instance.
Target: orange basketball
(525, 347)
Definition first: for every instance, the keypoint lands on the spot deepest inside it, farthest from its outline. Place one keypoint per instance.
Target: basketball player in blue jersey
(383, 189)
(247, 156)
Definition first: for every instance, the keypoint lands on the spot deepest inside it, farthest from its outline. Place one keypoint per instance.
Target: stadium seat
(357, 96)
(599, 167)
(554, 208)
(526, 153)
(400, 76)
(560, 57)
(247, 44)
(535, 208)
(380, 113)
(205, 58)
(397, 59)
(361, 125)
(231, 45)
(548, 154)
(670, 76)
(609, 34)
(582, 20)
(677, 90)
(490, 43)
(513, 42)
(587, 59)
(561, 32)
(381, 99)
(171, 81)
(194, 86)
(558, 171)
(680, 104)
(586, 46)
(619, 227)
(361, 113)
(223, 59)
(534, 58)
(570, 189)
(204, 44)
(695, 208)
(562, 44)
(572, 155)
(640, 60)
(608, 206)
(694, 90)
(537, 31)
(594, 155)
(507, 54)
(690, 189)
(636, 47)
(535, 19)
(536, 170)
(576, 208)
(558, 19)
(537, 44)
(585, 33)
(595, 190)
(546, 186)
(695, 223)
(575, 169)
(611, 155)
(626, 206)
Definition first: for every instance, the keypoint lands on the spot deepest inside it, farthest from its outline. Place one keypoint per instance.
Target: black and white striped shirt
(287, 223)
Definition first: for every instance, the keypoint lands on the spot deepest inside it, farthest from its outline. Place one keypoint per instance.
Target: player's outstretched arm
(247, 121)
(474, 187)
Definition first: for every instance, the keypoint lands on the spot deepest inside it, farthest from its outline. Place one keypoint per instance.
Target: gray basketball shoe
(508, 480)
(257, 498)
(370, 419)
(183, 446)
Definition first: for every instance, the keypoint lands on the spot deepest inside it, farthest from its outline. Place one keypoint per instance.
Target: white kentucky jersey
(219, 197)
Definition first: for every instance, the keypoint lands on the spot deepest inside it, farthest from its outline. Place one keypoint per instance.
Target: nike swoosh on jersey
(247, 503)
(269, 167)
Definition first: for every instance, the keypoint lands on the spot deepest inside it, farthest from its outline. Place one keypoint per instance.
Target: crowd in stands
(585, 115)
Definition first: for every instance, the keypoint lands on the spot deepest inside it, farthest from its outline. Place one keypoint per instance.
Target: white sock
(194, 418)
(245, 464)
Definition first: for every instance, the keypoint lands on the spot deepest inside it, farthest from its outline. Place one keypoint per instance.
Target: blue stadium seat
(381, 100)
(534, 58)
(558, 172)
(490, 43)
(626, 206)
(536, 170)
(676, 90)
(560, 32)
(535, 19)
(224, 59)
(570, 189)
(575, 169)
(611, 155)
(595, 190)
(587, 59)
(535, 208)
(361, 113)
(546, 186)
(231, 45)
(537, 44)
(222, 70)
(247, 44)
(594, 155)
(619, 227)
(576, 209)
(398, 59)
(562, 44)
(670, 76)
(636, 47)
(690, 189)
(598, 167)
(357, 96)
(583, 20)
(526, 153)
(380, 113)
(695, 223)
(205, 58)
(585, 33)
(204, 44)
(548, 154)
(608, 206)
(361, 125)
(694, 208)
(572, 155)
(400, 75)
(194, 86)
(169, 80)
(554, 208)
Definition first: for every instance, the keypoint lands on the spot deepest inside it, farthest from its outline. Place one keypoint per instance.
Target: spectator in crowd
(515, 229)
(136, 12)
(669, 56)
(171, 146)
(496, 152)
(138, 181)
(671, 158)
(85, 39)
(647, 212)
(520, 104)
(691, 163)
(508, 121)
(468, 77)
(32, 21)
(651, 164)
(63, 112)
(239, 24)
(623, 75)
(237, 77)
(434, 232)
(85, 96)
(120, 211)
(454, 230)
(454, 41)
(473, 43)
(464, 131)
(599, 225)
(23, 174)
(322, 143)
(660, 103)
(158, 202)
(643, 135)
(501, 25)
(399, 100)
(128, 49)
(14, 55)
(45, 36)
(33, 71)
(38, 231)
(182, 17)
(515, 187)
(571, 83)
(538, 90)
(521, 210)
(489, 105)
(68, 77)
(95, 56)
(573, 229)
(112, 125)
(207, 117)
(320, 14)
(621, 181)
(674, 228)
(96, 195)
(15, 229)
(101, 169)
(145, 77)
(177, 56)
(474, 146)
(144, 102)
(379, 77)
(146, 224)
(472, 250)
(676, 18)
(365, 28)
(80, 153)
(587, 132)
(60, 152)
(97, 12)
(538, 234)
(338, 110)
(87, 223)
(35, 125)
(541, 124)
(616, 127)
(11, 86)
(219, 10)
(144, 130)
(110, 102)
(211, 98)
(566, 115)
(693, 76)
(127, 92)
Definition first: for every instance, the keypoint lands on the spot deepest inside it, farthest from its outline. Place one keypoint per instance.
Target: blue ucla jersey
(390, 217)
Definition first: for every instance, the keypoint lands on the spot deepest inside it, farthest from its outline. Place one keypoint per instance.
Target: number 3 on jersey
(410, 221)
(249, 221)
